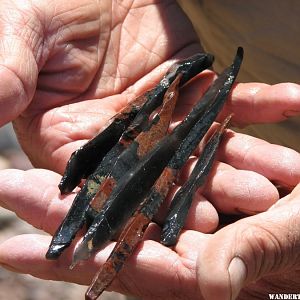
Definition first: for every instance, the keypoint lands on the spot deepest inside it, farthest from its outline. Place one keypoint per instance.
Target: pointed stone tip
(82, 252)
(90, 294)
(89, 297)
(64, 187)
(55, 250)
(169, 240)
(168, 237)
(240, 51)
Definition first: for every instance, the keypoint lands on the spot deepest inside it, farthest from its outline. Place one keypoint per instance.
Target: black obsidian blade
(183, 199)
(81, 163)
(186, 148)
(86, 159)
(116, 162)
(137, 182)
(142, 144)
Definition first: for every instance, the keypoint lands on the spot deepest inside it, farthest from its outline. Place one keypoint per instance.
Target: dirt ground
(25, 287)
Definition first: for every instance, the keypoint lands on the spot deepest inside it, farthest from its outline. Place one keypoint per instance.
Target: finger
(34, 196)
(139, 276)
(234, 191)
(202, 215)
(262, 103)
(21, 36)
(189, 244)
(26, 254)
(277, 163)
(250, 249)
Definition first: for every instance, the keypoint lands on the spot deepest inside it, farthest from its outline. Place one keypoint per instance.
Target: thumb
(20, 45)
(250, 249)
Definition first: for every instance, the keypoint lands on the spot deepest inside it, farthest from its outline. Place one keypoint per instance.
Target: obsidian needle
(183, 199)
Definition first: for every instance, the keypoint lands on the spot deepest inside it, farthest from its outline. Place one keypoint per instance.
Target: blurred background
(25, 287)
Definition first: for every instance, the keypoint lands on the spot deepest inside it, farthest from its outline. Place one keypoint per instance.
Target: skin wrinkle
(26, 28)
(177, 270)
(59, 17)
(223, 188)
(285, 160)
(151, 47)
(147, 49)
(62, 29)
(20, 81)
(57, 267)
(280, 281)
(261, 234)
(49, 39)
(269, 284)
(293, 222)
(47, 211)
(68, 114)
(192, 43)
(111, 75)
(21, 138)
(184, 265)
(43, 50)
(80, 60)
(32, 29)
(177, 267)
(247, 153)
(16, 107)
(118, 58)
(119, 26)
(175, 292)
(248, 195)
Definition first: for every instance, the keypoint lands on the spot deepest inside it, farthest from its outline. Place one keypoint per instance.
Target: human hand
(35, 197)
(61, 116)
(255, 256)
(66, 68)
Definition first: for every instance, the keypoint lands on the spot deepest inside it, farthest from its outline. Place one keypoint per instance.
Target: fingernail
(237, 274)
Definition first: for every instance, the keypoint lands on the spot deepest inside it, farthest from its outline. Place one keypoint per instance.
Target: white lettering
(284, 296)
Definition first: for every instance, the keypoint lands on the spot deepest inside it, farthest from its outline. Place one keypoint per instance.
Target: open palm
(67, 68)
(87, 60)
